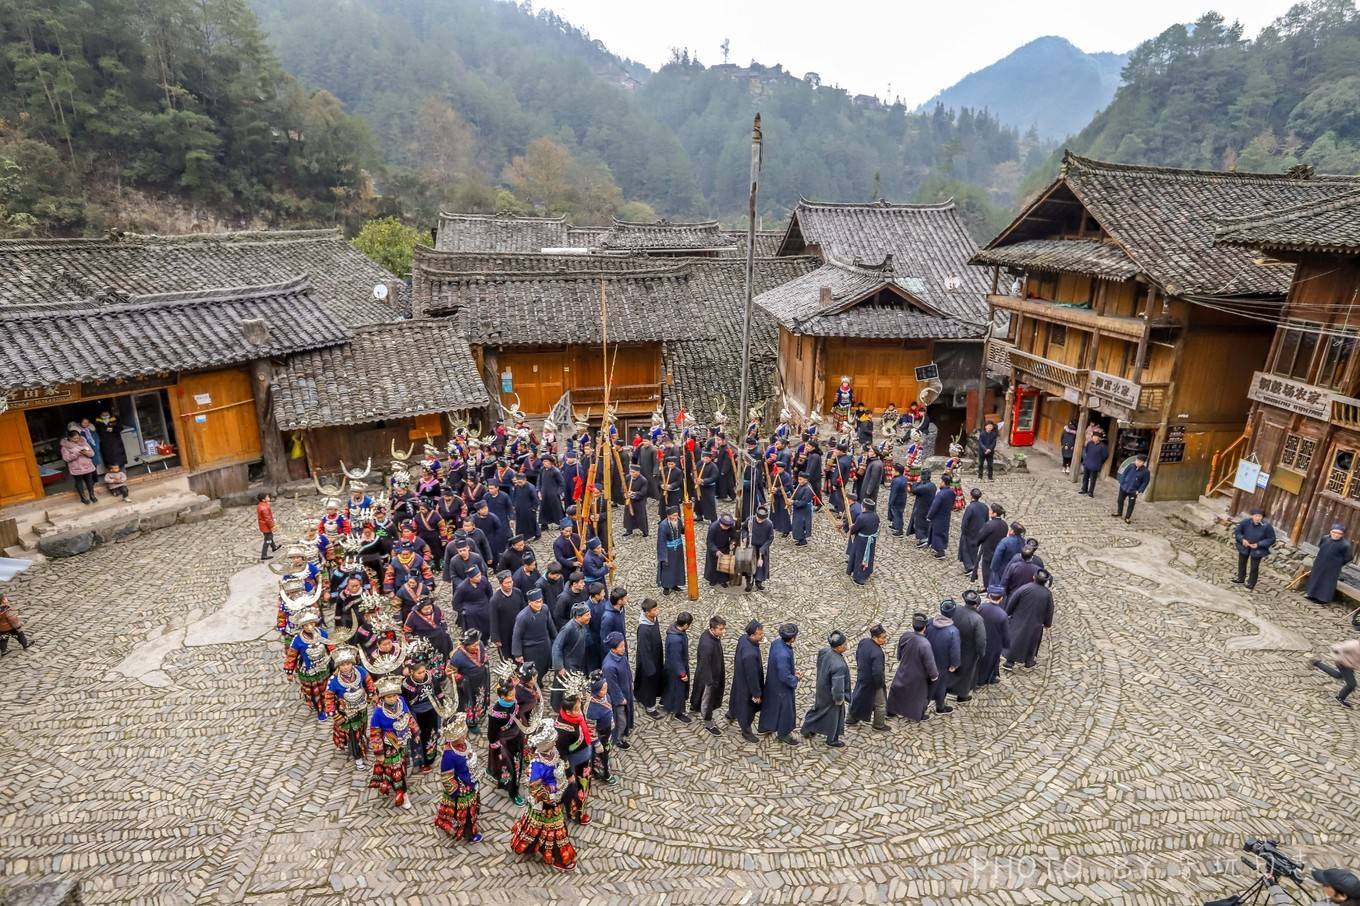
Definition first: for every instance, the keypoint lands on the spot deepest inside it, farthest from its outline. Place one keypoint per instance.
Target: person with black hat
(710, 674)
(490, 524)
(1006, 551)
(635, 506)
(987, 439)
(570, 648)
(600, 713)
(975, 516)
(598, 605)
(512, 558)
(651, 662)
(1093, 456)
(1022, 568)
(613, 617)
(707, 474)
(670, 485)
(481, 545)
(722, 539)
(777, 714)
(916, 673)
(472, 601)
(567, 545)
(1341, 887)
(943, 636)
(923, 494)
(870, 698)
(506, 603)
(939, 515)
(550, 492)
(827, 714)
(461, 560)
(670, 552)
(863, 540)
(595, 567)
(748, 680)
(676, 687)
(531, 638)
(468, 667)
(898, 491)
(997, 625)
(760, 536)
(972, 645)
(1254, 536)
(1333, 553)
(574, 593)
(803, 501)
(527, 576)
(620, 678)
(1030, 609)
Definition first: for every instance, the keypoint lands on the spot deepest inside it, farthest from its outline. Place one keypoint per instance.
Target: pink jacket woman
(78, 455)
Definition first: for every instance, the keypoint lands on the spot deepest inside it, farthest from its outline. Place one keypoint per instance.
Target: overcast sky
(866, 46)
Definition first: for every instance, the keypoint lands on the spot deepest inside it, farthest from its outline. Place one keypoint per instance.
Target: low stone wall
(118, 526)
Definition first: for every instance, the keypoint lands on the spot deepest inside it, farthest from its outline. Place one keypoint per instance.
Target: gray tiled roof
(561, 308)
(1331, 225)
(112, 336)
(852, 310)
(1164, 218)
(585, 237)
(1079, 256)
(928, 242)
(503, 232)
(767, 242)
(60, 270)
(664, 236)
(397, 370)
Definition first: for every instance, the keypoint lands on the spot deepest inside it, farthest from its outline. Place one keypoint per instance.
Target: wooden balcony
(628, 397)
(1048, 371)
(1083, 318)
(1346, 414)
(999, 357)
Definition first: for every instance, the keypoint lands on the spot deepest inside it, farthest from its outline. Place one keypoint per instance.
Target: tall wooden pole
(750, 288)
(606, 444)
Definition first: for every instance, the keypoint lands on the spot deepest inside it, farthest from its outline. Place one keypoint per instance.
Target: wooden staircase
(1223, 467)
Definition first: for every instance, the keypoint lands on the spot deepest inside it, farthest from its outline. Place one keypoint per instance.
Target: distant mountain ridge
(1049, 84)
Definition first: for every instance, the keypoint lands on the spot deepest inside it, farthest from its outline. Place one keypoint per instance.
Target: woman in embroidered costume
(542, 829)
(347, 700)
(576, 745)
(459, 800)
(307, 659)
(952, 465)
(390, 729)
(468, 662)
(501, 730)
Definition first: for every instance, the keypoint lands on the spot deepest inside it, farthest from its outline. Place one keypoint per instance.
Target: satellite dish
(380, 291)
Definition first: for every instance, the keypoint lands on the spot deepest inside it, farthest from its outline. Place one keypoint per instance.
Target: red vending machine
(1024, 416)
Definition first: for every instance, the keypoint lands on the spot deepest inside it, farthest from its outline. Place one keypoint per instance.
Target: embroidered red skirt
(544, 834)
(458, 809)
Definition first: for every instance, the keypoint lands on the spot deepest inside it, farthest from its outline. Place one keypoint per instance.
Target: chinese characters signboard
(1294, 396)
(1173, 445)
(1115, 389)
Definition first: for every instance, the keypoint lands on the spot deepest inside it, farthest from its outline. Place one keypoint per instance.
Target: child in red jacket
(264, 516)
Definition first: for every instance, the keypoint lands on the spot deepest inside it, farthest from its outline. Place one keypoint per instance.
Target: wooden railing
(1223, 467)
(1346, 415)
(1050, 370)
(999, 357)
(618, 394)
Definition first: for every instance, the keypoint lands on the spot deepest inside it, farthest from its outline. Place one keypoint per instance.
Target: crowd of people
(536, 658)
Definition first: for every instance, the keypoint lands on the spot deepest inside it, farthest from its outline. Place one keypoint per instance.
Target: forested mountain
(151, 113)
(1049, 85)
(1205, 96)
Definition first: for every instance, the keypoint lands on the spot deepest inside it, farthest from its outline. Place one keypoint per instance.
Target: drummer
(722, 539)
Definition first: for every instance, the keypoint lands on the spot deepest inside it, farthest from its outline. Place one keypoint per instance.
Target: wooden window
(1343, 478)
(1295, 353)
(1057, 335)
(1298, 452)
(1337, 352)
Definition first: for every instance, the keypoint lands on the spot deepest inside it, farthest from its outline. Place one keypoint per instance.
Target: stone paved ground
(1127, 768)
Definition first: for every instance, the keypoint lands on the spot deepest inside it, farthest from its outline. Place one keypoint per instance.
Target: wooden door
(880, 374)
(540, 379)
(19, 479)
(217, 424)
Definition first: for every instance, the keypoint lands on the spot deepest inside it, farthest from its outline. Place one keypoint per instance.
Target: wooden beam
(271, 441)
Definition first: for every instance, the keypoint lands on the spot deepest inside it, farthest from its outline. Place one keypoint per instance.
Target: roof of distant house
(1076, 256)
(665, 236)
(1326, 226)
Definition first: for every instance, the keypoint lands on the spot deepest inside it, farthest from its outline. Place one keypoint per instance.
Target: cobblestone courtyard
(1127, 768)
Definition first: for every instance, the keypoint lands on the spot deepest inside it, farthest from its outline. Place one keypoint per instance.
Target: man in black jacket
(710, 674)
(648, 675)
(987, 439)
(1254, 536)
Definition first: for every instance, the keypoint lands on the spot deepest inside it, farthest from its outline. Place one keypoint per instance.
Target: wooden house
(893, 306)
(1124, 312)
(177, 336)
(389, 384)
(1303, 432)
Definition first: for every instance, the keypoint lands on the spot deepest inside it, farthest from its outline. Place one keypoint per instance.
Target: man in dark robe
(532, 638)
(512, 558)
(1334, 552)
(760, 534)
(872, 479)
(998, 635)
(613, 618)
(1031, 612)
(670, 552)
(870, 698)
(571, 648)
(573, 479)
(970, 528)
(649, 674)
(722, 539)
(671, 482)
(497, 535)
(595, 567)
(567, 546)
(710, 674)
(552, 584)
(938, 516)
(752, 483)
(748, 680)
(863, 542)
(462, 561)
(781, 679)
(550, 511)
(827, 714)
(1022, 568)
(575, 593)
(943, 637)
(527, 576)
(598, 605)
(501, 503)
(644, 455)
(916, 672)
(481, 544)
(923, 494)
(473, 593)
(897, 497)
(506, 603)
(803, 498)
(525, 497)
(676, 688)
(842, 477)
(727, 469)
(972, 645)
(635, 518)
(1005, 551)
(708, 487)
(781, 499)
(812, 465)
(619, 676)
